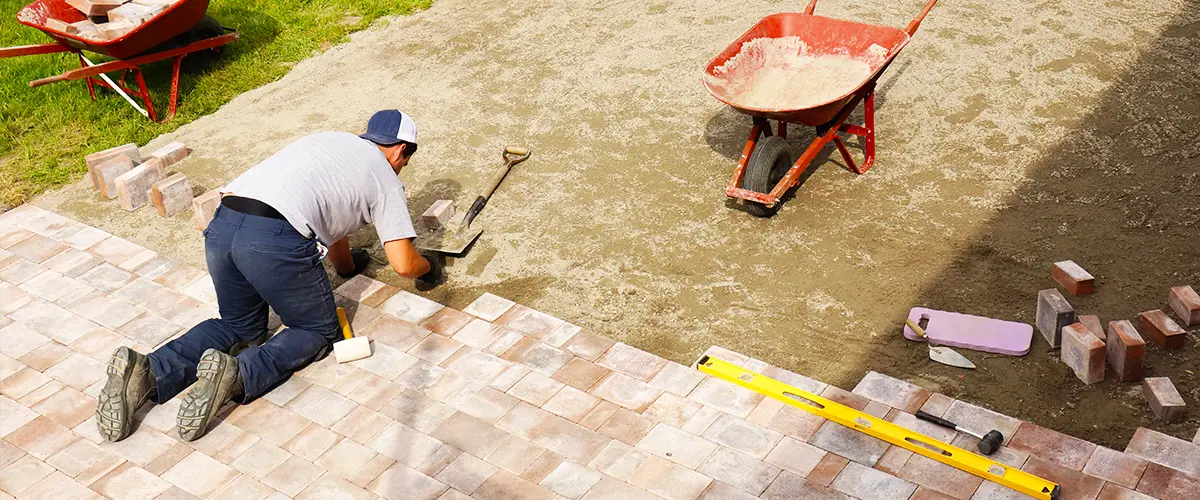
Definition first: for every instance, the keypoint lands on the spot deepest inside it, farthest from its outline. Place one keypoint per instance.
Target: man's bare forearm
(339, 256)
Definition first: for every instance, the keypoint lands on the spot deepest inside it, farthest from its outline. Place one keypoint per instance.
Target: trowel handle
(341, 313)
(916, 328)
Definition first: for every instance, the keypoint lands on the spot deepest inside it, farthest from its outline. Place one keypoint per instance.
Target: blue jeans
(255, 262)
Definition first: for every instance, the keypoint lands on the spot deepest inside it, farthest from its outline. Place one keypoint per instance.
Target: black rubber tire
(770, 161)
(203, 30)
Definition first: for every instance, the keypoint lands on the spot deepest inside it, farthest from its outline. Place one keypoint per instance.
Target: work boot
(128, 388)
(217, 383)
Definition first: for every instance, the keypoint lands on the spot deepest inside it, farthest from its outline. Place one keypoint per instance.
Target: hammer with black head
(988, 443)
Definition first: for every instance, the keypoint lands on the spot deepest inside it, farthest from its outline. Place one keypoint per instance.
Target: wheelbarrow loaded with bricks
(133, 33)
(805, 69)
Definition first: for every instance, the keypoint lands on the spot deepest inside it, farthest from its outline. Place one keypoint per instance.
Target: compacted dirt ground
(1011, 135)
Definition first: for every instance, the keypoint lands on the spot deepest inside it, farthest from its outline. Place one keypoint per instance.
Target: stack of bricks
(120, 173)
(495, 401)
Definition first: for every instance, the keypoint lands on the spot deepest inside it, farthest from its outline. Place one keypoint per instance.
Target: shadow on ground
(1120, 196)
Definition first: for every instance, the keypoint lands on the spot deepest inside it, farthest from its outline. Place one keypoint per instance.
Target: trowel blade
(948, 356)
(451, 239)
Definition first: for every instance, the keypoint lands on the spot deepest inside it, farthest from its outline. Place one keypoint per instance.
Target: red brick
(1053, 314)
(204, 206)
(1052, 445)
(127, 150)
(171, 195)
(105, 174)
(1186, 303)
(1093, 324)
(1156, 325)
(133, 187)
(1116, 467)
(827, 469)
(171, 153)
(1072, 277)
(1166, 402)
(1074, 484)
(1168, 484)
(1126, 350)
(1084, 353)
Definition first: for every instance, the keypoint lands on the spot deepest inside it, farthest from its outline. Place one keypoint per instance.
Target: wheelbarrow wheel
(203, 30)
(770, 161)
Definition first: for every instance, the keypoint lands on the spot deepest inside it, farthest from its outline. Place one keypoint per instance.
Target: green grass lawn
(46, 131)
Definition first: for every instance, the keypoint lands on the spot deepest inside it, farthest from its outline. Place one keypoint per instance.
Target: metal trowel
(454, 238)
(941, 354)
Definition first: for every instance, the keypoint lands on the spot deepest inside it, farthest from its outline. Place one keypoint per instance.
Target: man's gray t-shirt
(331, 184)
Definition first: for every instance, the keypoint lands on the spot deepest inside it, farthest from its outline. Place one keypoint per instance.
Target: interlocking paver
(273, 424)
(106, 278)
(724, 396)
(329, 487)
(743, 435)
(507, 340)
(849, 443)
(149, 329)
(570, 479)
(469, 434)
(353, 462)
(23, 473)
(37, 248)
(580, 373)
(402, 483)
(567, 439)
(86, 238)
(437, 461)
(529, 322)
(247, 488)
(105, 310)
(571, 403)
(75, 458)
(828, 469)
(613, 489)
(417, 411)
(626, 426)
(1066, 450)
(293, 476)
(435, 348)
(178, 452)
(1167, 483)
(59, 486)
(386, 361)
(739, 470)
(484, 403)
(67, 407)
(312, 442)
(788, 486)
(141, 447)
(359, 288)
(478, 334)
(625, 391)
(52, 286)
(321, 405)
(1116, 467)
(447, 321)
(1165, 450)
(45, 356)
(700, 422)
(260, 459)
(1079, 484)
(72, 262)
(940, 477)
(465, 473)
(199, 474)
(41, 437)
(476, 365)
(537, 356)
(794, 456)
(131, 482)
(504, 486)
(671, 410)
(404, 444)
(677, 446)
(23, 382)
(489, 307)
(619, 460)
(19, 270)
(410, 307)
(361, 424)
(561, 335)
(536, 388)
(588, 346)
(970, 416)
(864, 482)
(514, 454)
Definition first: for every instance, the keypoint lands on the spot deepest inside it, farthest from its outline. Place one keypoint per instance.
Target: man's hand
(348, 262)
(436, 274)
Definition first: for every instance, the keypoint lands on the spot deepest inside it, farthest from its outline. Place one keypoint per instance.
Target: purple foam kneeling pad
(972, 332)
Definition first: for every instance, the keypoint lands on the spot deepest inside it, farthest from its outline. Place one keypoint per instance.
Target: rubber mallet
(988, 443)
(351, 347)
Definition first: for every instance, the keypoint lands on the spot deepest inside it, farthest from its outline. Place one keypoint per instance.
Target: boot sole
(197, 408)
(114, 417)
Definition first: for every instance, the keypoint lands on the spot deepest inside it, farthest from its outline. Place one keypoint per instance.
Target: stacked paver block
(1053, 313)
(171, 195)
(1075, 279)
(106, 174)
(171, 153)
(1162, 329)
(1164, 399)
(95, 159)
(1083, 352)
(1186, 303)
(1126, 350)
(203, 208)
(496, 401)
(133, 187)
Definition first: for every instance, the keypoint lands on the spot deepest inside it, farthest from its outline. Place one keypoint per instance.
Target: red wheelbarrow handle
(32, 50)
(916, 22)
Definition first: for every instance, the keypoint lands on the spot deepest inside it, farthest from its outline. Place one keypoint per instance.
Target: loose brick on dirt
(1053, 313)
(1162, 329)
(1083, 353)
(171, 153)
(1126, 350)
(93, 160)
(1074, 278)
(133, 187)
(438, 214)
(1186, 303)
(1166, 402)
(106, 174)
(1093, 324)
(171, 195)
(204, 206)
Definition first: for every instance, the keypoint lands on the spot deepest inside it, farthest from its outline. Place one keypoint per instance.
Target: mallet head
(991, 442)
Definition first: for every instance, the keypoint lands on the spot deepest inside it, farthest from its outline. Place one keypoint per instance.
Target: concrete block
(1166, 402)
(106, 174)
(133, 187)
(1093, 324)
(1186, 303)
(171, 153)
(93, 160)
(1083, 352)
(1126, 350)
(1162, 329)
(438, 214)
(204, 206)
(1053, 313)
(171, 195)
(1072, 277)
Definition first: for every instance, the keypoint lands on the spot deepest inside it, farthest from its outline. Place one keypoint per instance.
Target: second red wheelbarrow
(768, 167)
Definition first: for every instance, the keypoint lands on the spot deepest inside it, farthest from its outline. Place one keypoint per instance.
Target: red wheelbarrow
(181, 29)
(768, 167)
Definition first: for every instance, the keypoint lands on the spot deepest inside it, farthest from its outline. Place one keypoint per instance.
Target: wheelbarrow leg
(174, 87)
(91, 86)
(867, 131)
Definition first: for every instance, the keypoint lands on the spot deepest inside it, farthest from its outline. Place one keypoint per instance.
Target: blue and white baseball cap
(389, 127)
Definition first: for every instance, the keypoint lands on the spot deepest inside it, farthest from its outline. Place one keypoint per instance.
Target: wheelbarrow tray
(178, 18)
(823, 35)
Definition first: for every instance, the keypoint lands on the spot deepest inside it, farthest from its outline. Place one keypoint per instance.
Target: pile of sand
(780, 73)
